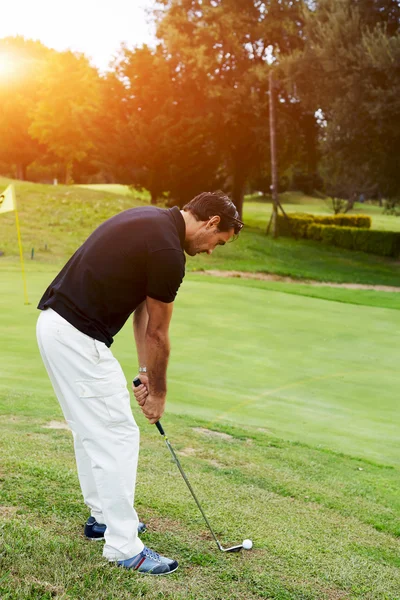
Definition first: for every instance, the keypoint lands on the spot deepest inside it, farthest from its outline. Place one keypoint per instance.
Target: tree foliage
(350, 68)
(222, 48)
(26, 59)
(67, 103)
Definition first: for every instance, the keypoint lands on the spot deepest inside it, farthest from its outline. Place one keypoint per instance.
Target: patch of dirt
(56, 425)
(312, 282)
(216, 464)
(219, 434)
(54, 590)
(187, 452)
(8, 511)
(163, 525)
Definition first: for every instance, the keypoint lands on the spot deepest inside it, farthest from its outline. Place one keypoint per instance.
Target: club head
(231, 549)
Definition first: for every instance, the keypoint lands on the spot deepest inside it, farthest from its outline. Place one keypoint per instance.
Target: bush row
(297, 223)
(362, 221)
(384, 243)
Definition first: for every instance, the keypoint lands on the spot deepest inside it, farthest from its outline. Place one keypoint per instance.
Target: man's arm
(140, 321)
(155, 350)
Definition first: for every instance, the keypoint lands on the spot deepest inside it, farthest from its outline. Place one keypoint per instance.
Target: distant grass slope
(55, 220)
(255, 252)
(116, 188)
(59, 217)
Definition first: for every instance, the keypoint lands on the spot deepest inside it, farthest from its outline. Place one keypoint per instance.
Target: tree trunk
(310, 129)
(238, 186)
(274, 167)
(21, 171)
(68, 172)
(154, 196)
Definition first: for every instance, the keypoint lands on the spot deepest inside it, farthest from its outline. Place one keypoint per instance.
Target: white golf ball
(247, 544)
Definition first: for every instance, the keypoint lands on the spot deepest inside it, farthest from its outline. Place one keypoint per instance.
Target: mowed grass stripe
(380, 299)
(312, 540)
(310, 370)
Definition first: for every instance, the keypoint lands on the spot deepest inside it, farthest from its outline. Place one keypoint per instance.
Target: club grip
(136, 383)
(160, 428)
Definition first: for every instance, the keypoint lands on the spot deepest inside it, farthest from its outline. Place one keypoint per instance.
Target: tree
(68, 101)
(223, 47)
(350, 68)
(158, 136)
(150, 110)
(26, 59)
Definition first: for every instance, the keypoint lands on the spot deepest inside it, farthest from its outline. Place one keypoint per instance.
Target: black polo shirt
(135, 254)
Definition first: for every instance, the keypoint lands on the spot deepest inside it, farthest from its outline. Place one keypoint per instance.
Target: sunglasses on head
(237, 223)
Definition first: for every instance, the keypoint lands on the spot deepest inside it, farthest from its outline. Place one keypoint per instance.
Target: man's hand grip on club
(152, 405)
(141, 391)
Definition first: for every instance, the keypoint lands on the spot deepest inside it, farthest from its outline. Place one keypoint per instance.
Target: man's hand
(153, 408)
(142, 391)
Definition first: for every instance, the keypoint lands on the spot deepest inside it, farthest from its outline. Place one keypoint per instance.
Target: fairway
(301, 395)
(305, 369)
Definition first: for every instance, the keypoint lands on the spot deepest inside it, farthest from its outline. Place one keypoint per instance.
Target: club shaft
(182, 472)
(136, 383)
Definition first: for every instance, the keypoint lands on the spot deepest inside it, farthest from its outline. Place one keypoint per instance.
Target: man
(133, 262)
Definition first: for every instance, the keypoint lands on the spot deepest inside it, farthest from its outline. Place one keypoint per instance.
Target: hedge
(296, 224)
(383, 243)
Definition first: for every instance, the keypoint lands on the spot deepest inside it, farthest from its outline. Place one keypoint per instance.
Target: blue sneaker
(149, 562)
(94, 531)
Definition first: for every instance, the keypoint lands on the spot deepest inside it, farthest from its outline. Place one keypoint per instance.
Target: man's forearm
(140, 322)
(157, 353)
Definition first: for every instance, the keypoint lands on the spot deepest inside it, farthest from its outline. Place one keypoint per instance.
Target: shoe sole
(144, 572)
(156, 574)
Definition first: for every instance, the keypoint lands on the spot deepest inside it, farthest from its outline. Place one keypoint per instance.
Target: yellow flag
(8, 200)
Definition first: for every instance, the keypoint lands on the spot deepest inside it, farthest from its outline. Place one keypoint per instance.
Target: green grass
(55, 220)
(308, 390)
(324, 292)
(255, 252)
(117, 188)
(303, 379)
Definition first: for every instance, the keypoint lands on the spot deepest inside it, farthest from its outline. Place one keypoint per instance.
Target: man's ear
(214, 221)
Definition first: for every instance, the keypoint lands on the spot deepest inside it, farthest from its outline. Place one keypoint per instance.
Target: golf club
(247, 544)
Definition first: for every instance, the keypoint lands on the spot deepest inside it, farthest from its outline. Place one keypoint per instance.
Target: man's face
(206, 239)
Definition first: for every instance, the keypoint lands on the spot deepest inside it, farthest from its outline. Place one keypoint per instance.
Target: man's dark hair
(208, 204)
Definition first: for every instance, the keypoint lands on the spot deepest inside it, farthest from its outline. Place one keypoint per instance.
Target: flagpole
(21, 258)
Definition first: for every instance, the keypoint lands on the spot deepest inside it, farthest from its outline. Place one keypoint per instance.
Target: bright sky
(95, 27)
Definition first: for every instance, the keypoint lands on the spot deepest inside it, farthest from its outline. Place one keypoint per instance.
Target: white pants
(92, 391)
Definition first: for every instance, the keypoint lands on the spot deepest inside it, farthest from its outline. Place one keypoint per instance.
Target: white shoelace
(151, 554)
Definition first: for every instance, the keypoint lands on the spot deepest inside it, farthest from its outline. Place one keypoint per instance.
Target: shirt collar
(180, 224)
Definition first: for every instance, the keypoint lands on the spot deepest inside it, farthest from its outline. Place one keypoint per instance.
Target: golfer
(132, 263)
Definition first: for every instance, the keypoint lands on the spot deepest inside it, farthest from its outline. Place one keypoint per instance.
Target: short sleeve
(165, 272)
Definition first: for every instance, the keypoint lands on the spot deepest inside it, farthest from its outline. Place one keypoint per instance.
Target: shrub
(383, 243)
(296, 224)
(339, 220)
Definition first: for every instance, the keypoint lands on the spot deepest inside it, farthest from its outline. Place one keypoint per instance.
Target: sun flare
(8, 65)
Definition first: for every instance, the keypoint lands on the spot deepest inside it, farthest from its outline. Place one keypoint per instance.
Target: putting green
(309, 370)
